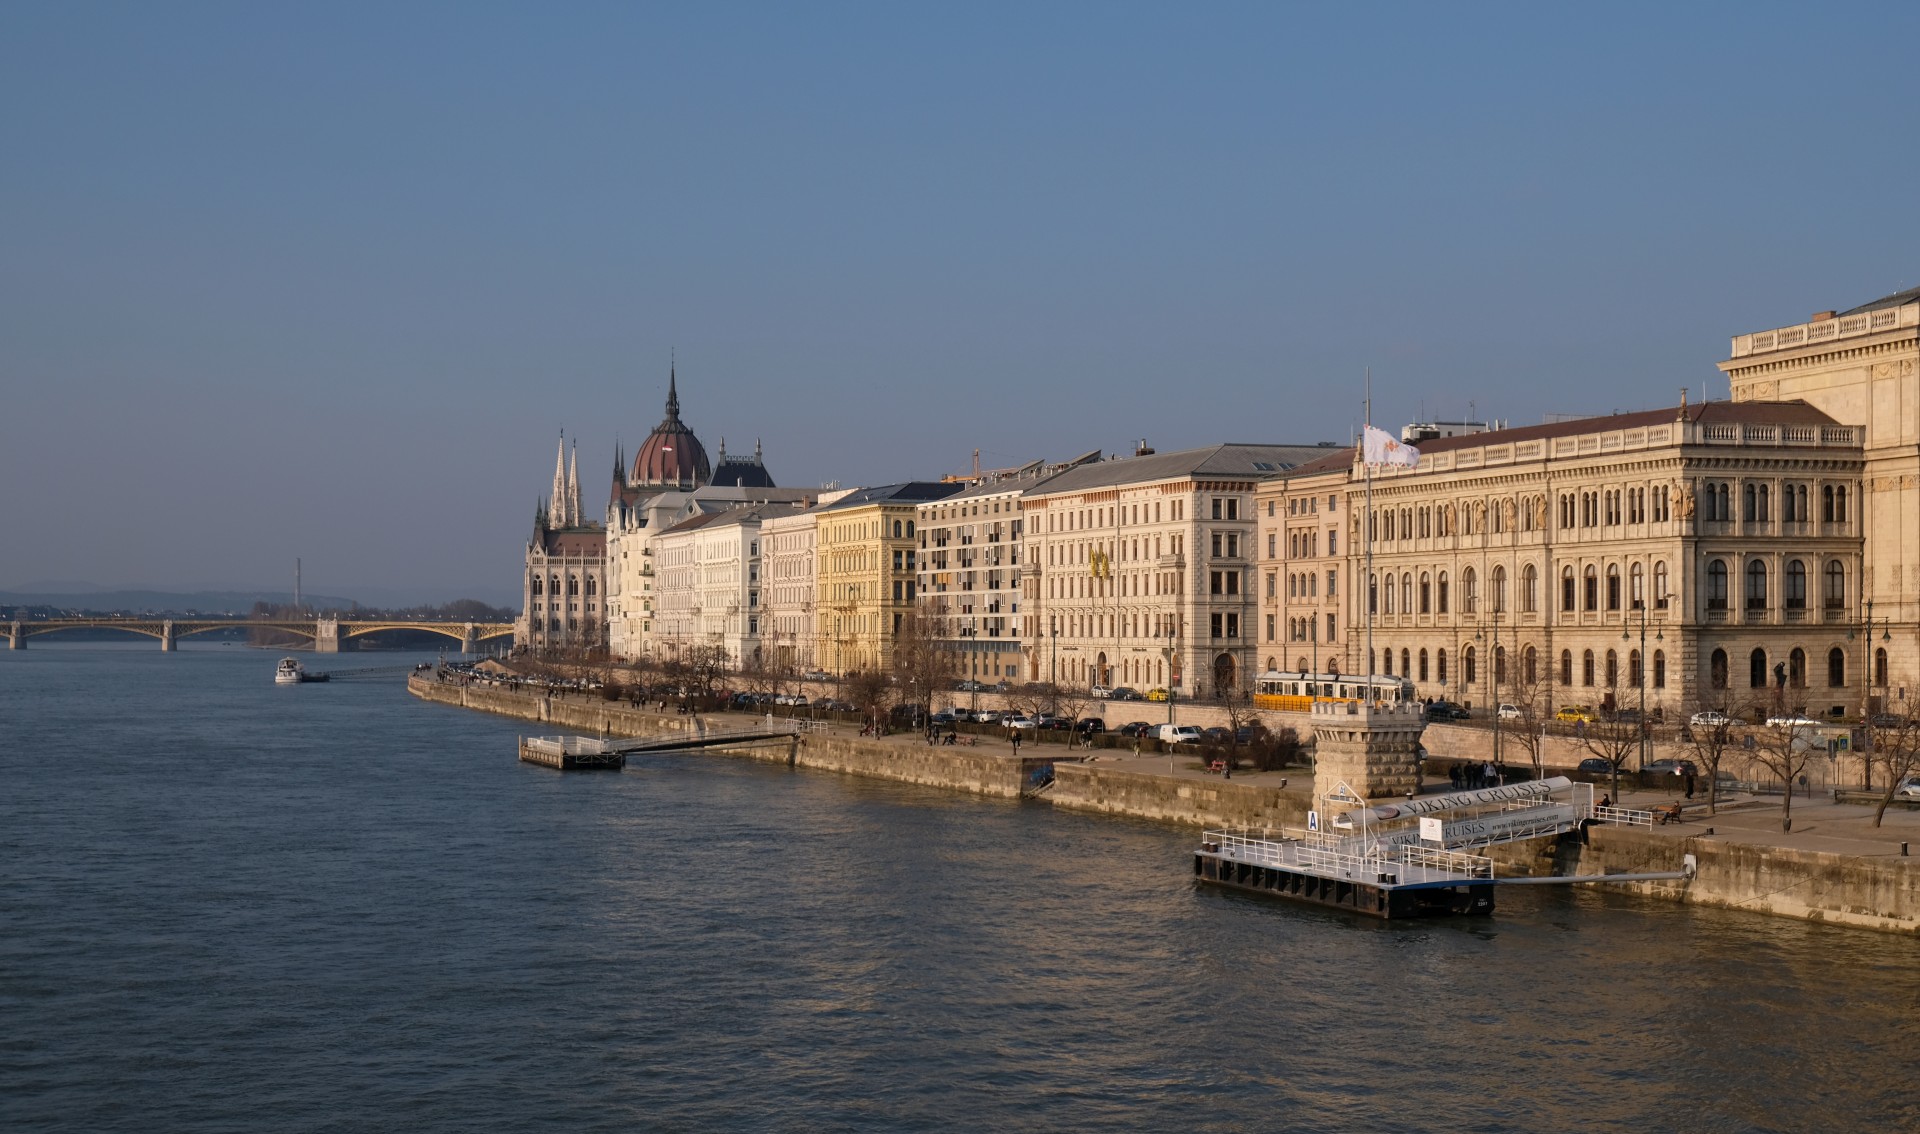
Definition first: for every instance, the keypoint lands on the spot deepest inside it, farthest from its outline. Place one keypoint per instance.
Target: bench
(1670, 813)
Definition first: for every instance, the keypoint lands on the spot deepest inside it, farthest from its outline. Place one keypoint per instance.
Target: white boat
(291, 672)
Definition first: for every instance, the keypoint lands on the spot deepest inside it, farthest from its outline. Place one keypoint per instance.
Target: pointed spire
(573, 486)
(557, 502)
(673, 392)
(756, 451)
(723, 450)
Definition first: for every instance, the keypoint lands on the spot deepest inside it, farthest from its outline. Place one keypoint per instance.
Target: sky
(327, 281)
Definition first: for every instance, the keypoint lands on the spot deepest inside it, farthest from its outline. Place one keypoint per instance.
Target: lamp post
(1660, 635)
(1493, 688)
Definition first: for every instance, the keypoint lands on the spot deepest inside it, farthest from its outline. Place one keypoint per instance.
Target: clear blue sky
(326, 281)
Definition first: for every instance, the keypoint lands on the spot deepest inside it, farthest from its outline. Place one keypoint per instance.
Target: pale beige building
(1304, 570)
(969, 574)
(1139, 571)
(1698, 550)
(867, 545)
(1862, 367)
(788, 549)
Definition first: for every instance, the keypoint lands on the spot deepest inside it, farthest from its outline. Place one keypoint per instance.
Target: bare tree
(1785, 750)
(705, 665)
(1237, 704)
(1534, 702)
(1709, 736)
(922, 663)
(1615, 741)
(870, 692)
(1894, 746)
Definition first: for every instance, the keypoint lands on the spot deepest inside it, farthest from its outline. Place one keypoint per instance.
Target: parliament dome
(671, 456)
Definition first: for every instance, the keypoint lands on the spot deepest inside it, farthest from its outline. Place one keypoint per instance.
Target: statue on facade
(1686, 502)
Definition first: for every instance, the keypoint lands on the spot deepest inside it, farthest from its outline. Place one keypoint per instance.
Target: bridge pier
(16, 637)
(470, 641)
(168, 642)
(326, 636)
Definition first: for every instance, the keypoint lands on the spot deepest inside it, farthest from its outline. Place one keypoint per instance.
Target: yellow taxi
(1156, 694)
(1576, 713)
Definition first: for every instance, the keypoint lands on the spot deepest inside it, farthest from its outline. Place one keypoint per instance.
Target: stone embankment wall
(1880, 893)
(954, 769)
(1167, 799)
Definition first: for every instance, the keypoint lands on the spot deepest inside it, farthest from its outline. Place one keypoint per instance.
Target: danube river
(228, 906)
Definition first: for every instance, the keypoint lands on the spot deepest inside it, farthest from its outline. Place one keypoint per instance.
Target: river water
(229, 906)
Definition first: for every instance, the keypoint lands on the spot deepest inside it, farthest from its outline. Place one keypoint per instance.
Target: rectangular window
(1270, 627)
(1216, 625)
(1233, 508)
(1233, 626)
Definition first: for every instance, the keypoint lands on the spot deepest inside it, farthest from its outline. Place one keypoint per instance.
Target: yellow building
(865, 584)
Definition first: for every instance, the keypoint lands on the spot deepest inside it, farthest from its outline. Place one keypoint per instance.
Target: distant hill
(203, 602)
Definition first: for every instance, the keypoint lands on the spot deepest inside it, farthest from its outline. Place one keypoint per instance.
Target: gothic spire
(673, 393)
(557, 502)
(573, 486)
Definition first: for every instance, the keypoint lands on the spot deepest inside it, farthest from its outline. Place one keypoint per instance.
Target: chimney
(1143, 449)
(1821, 316)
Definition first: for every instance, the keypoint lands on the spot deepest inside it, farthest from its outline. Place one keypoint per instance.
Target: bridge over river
(325, 634)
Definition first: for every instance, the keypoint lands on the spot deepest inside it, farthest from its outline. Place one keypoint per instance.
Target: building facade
(1139, 571)
(563, 585)
(1304, 567)
(788, 550)
(1862, 368)
(866, 581)
(969, 576)
(1702, 554)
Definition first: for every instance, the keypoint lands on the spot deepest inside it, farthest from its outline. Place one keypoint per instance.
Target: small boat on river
(291, 672)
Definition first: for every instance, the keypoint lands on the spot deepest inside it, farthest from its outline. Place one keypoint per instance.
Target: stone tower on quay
(1373, 750)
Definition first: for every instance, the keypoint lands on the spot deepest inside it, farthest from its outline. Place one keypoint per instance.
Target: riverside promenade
(1833, 867)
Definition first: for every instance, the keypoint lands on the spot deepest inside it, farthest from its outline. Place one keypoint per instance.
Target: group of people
(1470, 776)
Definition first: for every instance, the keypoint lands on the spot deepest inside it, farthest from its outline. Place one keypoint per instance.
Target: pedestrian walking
(1016, 740)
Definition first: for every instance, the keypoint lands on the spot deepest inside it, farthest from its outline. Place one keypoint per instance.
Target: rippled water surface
(230, 906)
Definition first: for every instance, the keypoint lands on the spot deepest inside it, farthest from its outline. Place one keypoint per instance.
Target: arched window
(1797, 668)
(1529, 589)
(1613, 586)
(1499, 590)
(1443, 595)
(909, 529)
(1426, 593)
(1499, 666)
(1796, 585)
(898, 527)
(1566, 667)
(1837, 668)
(1406, 663)
(1747, 512)
(593, 587)
(1566, 589)
(1373, 597)
(1586, 668)
(1840, 505)
(1717, 670)
(1613, 669)
(1835, 597)
(1440, 666)
(1756, 584)
(1406, 595)
(1880, 668)
(1757, 669)
(1389, 596)
(573, 585)
(1370, 665)
(1593, 587)
(1660, 585)
(1423, 665)
(1469, 596)
(1386, 656)
(1467, 660)
(1826, 503)
(1637, 587)
(1634, 676)
(1717, 585)
(1659, 669)
(1530, 666)
(537, 584)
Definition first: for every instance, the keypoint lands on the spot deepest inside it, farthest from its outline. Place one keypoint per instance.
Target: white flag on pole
(1377, 447)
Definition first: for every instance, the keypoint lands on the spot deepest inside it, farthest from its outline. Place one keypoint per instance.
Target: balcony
(1171, 562)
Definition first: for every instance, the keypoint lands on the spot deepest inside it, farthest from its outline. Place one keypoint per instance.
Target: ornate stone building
(1861, 367)
(1703, 549)
(563, 588)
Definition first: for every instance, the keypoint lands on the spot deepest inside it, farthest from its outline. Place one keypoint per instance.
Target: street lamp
(1493, 687)
(1660, 635)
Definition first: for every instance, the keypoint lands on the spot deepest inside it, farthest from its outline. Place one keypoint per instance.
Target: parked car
(1672, 768)
(987, 716)
(1447, 711)
(1595, 766)
(1509, 712)
(1792, 720)
(1215, 735)
(1709, 718)
(1581, 713)
(1122, 693)
(969, 687)
(1887, 720)
(817, 675)
(1137, 728)
(1249, 734)
(1157, 694)
(1058, 724)
(1179, 734)
(1100, 692)
(1908, 789)
(1024, 724)
(945, 717)
(1627, 716)
(1090, 726)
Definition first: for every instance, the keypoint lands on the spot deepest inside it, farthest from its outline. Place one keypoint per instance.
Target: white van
(1179, 734)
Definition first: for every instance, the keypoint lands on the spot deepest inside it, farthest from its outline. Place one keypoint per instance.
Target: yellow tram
(1297, 692)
